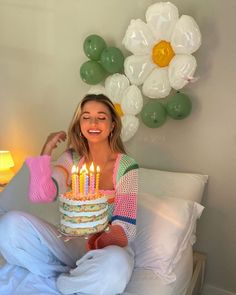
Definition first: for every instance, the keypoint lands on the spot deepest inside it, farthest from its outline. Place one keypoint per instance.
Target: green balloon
(93, 46)
(179, 106)
(112, 59)
(92, 72)
(153, 114)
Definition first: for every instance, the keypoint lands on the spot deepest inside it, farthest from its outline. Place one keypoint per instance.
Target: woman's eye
(85, 118)
(102, 118)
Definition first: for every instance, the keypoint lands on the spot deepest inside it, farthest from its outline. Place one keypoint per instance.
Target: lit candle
(74, 181)
(97, 179)
(86, 181)
(81, 179)
(78, 181)
(92, 179)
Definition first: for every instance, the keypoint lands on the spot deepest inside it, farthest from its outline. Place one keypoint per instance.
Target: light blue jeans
(32, 243)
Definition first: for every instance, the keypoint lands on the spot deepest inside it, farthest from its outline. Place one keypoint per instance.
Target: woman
(93, 136)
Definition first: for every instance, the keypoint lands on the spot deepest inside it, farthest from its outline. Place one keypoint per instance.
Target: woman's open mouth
(94, 131)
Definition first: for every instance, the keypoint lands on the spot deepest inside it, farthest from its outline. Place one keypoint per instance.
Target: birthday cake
(81, 217)
(83, 210)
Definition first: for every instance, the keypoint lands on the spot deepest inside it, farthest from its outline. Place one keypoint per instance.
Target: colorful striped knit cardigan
(46, 182)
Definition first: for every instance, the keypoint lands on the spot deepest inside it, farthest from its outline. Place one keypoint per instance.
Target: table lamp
(6, 163)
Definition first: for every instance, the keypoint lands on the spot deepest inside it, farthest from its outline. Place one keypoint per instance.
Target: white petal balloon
(160, 46)
(132, 101)
(115, 86)
(137, 68)
(161, 18)
(157, 84)
(128, 102)
(181, 70)
(138, 38)
(130, 126)
(186, 37)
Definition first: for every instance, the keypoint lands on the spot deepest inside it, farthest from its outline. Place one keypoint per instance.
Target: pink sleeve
(41, 186)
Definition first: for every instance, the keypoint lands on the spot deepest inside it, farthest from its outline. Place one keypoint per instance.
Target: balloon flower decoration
(162, 50)
(127, 98)
(128, 101)
(154, 113)
(162, 59)
(102, 61)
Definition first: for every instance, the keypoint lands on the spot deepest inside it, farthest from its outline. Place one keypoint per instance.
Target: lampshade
(6, 161)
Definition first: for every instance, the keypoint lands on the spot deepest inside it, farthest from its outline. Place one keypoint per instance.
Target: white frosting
(84, 225)
(80, 203)
(88, 214)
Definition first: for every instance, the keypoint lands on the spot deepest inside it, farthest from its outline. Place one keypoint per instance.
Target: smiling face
(96, 121)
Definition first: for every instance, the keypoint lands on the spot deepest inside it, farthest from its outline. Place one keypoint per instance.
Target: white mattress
(145, 282)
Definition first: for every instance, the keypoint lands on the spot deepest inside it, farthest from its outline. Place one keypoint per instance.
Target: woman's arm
(123, 226)
(45, 180)
(41, 185)
(52, 141)
(125, 210)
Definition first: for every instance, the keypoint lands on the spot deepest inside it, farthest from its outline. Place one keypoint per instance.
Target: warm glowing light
(86, 182)
(6, 161)
(91, 168)
(74, 169)
(98, 169)
(83, 169)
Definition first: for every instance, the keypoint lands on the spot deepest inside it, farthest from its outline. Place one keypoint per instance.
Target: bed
(168, 210)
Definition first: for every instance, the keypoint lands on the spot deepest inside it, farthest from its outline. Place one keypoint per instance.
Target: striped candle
(86, 182)
(78, 181)
(81, 179)
(74, 180)
(97, 180)
(92, 179)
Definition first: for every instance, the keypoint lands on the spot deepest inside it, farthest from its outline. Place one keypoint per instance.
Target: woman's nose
(93, 121)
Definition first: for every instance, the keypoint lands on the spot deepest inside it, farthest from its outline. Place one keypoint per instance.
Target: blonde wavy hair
(79, 143)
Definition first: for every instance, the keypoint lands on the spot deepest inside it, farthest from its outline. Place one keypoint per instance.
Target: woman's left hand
(115, 236)
(52, 141)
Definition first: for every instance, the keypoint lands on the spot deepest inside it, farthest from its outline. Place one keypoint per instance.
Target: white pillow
(189, 186)
(164, 229)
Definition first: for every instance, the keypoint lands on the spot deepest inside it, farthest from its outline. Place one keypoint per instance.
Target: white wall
(211, 290)
(40, 56)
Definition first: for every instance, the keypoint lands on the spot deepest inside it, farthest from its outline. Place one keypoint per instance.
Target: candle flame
(74, 169)
(91, 168)
(83, 169)
(98, 169)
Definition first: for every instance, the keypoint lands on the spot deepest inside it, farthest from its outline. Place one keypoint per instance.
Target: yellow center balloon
(119, 109)
(162, 53)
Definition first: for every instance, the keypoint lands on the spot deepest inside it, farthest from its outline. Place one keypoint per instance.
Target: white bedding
(143, 282)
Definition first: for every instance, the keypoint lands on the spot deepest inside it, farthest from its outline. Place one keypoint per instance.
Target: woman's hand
(52, 142)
